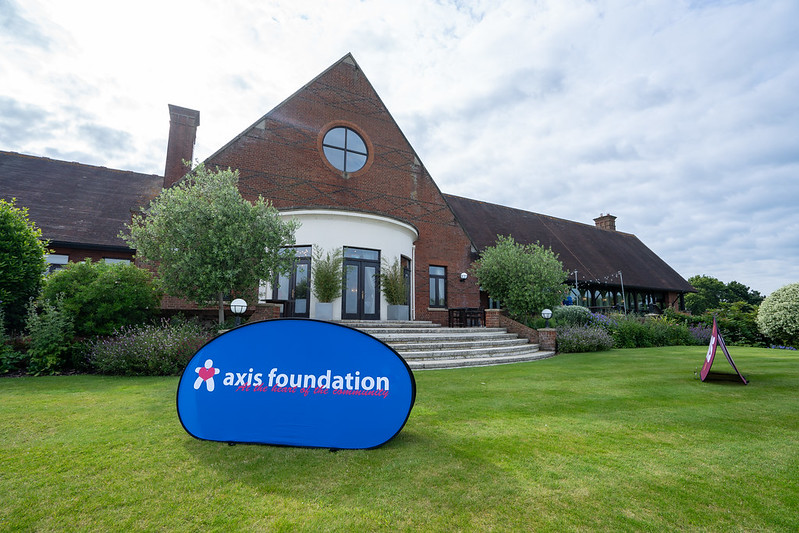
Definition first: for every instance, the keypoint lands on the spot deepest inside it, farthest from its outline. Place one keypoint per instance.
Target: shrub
(10, 359)
(573, 339)
(571, 315)
(738, 324)
(632, 333)
(102, 297)
(327, 274)
(778, 316)
(148, 350)
(676, 317)
(700, 334)
(526, 278)
(736, 321)
(22, 262)
(392, 282)
(50, 334)
(608, 323)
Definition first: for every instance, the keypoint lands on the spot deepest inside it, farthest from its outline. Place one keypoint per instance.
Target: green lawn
(621, 440)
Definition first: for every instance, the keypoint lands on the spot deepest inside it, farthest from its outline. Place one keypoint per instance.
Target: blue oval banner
(296, 382)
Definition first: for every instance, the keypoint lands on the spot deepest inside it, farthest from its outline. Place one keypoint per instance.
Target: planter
(399, 312)
(324, 311)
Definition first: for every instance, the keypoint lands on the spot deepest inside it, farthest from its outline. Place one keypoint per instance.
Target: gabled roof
(76, 204)
(596, 254)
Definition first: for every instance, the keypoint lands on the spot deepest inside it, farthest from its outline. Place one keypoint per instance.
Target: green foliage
(778, 316)
(22, 262)
(630, 331)
(738, 324)
(205, 239)
(711, 293)
(102, 297)
(327, 274)
(392, 282)
(708, 296)
(50, 331)
(526, 278)
(161, 349)
(620, 440)
(10, 359)
(738, 292)
(571, 315)
(573, 339)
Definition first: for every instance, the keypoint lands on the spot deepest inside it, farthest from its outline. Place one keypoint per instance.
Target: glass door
(361, 293)
(294, 288)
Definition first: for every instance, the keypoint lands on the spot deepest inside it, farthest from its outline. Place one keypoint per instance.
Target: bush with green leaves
(22, 262)
(738, 324)
(327, 274)
(102, 297)
(632, 331)
(526, 278)
(778, 316)
(572, 339)
(161, 349)
(50, 330)
(392, 282)
(571, 315)
(10, 359)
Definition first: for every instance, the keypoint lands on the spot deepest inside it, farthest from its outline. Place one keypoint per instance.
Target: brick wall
(281, 159)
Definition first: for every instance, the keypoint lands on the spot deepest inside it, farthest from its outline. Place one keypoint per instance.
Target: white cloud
(678, 117)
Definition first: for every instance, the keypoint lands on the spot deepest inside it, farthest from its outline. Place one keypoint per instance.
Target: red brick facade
(281, 159)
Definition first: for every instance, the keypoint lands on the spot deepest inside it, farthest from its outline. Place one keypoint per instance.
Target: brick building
(332, 157)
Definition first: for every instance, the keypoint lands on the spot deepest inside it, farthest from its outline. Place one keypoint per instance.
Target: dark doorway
(361, 293)
(294, 288)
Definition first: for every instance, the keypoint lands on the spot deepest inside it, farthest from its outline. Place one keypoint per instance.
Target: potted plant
(327, 279)
(393, 284)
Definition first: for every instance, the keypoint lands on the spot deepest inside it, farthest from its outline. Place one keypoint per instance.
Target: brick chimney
(607, 222)
(183, 124)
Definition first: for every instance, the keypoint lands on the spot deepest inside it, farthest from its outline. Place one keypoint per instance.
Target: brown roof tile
(595, 253)
(75, 203)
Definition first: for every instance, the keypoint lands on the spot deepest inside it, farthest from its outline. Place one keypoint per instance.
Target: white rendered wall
(332, 229)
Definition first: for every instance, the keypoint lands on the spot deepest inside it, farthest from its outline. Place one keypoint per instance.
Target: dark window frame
(346, 150)
(437, 300)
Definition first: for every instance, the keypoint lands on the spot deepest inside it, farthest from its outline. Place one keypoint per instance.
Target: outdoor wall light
(464, 275)
(547, 314)
(238, 307)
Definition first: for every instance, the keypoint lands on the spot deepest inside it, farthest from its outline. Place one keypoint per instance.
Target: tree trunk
(221, 308)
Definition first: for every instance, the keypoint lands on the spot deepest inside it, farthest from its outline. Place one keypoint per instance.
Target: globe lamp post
(547, 314)
(238, 308)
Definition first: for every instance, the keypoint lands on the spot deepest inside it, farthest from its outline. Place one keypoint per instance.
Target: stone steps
(425, 345)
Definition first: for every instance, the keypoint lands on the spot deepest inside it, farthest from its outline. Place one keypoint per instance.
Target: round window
(345, 149)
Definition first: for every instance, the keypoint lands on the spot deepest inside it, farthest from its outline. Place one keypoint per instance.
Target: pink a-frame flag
(717, 340)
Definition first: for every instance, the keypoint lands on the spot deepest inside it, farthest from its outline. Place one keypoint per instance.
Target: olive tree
(778, 315)
(526, 278)
(205, 240)
(22, 262)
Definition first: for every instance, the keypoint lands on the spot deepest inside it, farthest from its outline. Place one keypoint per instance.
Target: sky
(679, 117)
